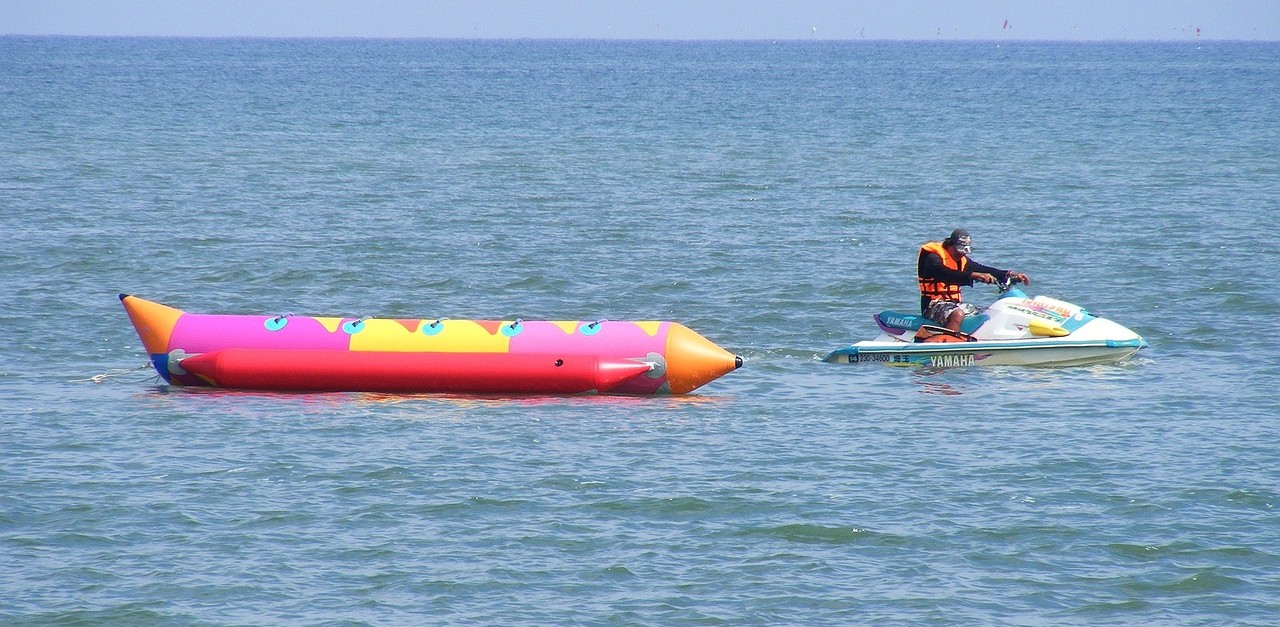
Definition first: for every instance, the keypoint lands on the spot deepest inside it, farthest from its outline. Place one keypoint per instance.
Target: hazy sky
(1176, 20)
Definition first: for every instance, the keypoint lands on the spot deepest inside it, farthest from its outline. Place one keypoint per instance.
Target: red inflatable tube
(392, 372)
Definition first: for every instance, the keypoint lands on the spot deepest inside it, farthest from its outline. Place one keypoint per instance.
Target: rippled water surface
(770, 196)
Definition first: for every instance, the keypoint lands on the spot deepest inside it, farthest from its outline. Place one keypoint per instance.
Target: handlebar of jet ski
(1006, 284)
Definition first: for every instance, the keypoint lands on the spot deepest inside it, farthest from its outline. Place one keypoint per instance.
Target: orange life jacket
(934, 289)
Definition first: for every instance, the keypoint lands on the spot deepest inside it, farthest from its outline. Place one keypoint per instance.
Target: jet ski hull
(1014, 331)
(1042, 353)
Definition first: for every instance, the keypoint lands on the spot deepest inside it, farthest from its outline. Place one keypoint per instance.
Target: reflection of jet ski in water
(1014, 331)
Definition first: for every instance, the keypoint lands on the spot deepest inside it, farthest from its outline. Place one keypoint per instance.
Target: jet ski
(1015, 330)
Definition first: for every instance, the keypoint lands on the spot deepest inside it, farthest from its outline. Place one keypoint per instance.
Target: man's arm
(996, 273)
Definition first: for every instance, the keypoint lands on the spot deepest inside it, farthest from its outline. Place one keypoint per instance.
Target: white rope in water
(111, 374)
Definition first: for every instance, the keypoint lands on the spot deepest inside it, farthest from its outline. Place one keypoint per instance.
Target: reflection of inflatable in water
(260, 352)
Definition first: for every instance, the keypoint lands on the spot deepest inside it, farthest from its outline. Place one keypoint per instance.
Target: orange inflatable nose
(153, 321)
(693, 360)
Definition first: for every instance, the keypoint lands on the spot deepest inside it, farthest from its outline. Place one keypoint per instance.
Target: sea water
(771, 196)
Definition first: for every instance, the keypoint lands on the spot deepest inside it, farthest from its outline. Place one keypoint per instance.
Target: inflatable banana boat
(336, 354)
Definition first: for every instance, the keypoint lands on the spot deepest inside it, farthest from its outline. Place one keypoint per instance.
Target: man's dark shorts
(939, 310)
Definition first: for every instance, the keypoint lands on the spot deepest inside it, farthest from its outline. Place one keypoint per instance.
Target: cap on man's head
(961, 241)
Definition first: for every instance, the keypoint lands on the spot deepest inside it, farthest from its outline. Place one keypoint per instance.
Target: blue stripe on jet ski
(1134, 343)
(969, 347)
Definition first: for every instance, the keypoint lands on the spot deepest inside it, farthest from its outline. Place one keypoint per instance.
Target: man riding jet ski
(943, 268)
(1014, 330)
